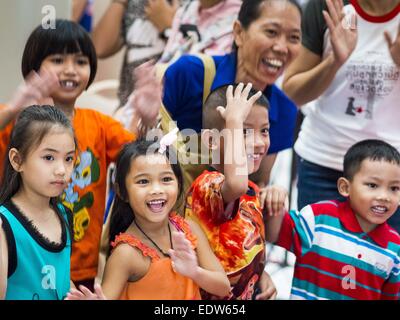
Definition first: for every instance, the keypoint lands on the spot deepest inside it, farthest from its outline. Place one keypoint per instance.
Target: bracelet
(124, 3)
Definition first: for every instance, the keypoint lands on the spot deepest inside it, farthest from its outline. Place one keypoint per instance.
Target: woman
(352, 69)
(266, 39)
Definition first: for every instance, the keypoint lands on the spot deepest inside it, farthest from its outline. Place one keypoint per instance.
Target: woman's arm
(205, 269)
(309, 76)
(106, 35)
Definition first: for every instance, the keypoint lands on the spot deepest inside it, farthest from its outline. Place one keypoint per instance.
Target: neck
(378, 8)
(365, 225)
(153, 228)
(68, 109)
(33, 203)
(204, 4)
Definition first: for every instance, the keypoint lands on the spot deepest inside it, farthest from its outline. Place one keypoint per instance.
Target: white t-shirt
(363, 100)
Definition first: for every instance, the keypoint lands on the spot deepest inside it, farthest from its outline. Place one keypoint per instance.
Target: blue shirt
(183, 97)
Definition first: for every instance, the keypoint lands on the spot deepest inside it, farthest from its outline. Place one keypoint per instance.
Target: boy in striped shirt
(346, 250)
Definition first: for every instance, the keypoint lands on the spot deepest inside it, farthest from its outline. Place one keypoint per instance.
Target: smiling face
(47, 169)
(73, 72)
(374, 192)
(152, 188)
(268, 44)
(256, 136)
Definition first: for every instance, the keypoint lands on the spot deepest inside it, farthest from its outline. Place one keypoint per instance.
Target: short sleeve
(297, 231)
(116, 137)
(206, 201)
(313, 26)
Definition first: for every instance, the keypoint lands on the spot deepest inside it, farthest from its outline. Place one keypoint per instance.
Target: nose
(156, 188)
(69, 66)
(60, 169)
(383, 196)
(281, 45)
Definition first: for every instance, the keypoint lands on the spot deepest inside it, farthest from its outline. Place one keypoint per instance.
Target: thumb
(221, 111)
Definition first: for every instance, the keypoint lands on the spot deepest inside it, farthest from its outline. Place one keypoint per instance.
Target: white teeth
(68, 84)
(273, 63)
(379, 209)
(253, 156)
(155, 202)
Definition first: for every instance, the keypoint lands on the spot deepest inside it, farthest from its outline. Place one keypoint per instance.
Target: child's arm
(235, 159)
(120, 266)
(267, 288)
(203, 268)
(35, 89)
(274, 202)
(3, 262)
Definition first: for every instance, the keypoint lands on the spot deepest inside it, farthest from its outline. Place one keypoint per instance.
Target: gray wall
(17, 19)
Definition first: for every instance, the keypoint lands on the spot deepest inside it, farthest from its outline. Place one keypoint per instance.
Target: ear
(118, 191)
(238, 33)
(15, 159)
(343, 186)
(207, 138)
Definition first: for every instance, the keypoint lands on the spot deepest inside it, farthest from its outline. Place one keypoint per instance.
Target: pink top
(215, 26)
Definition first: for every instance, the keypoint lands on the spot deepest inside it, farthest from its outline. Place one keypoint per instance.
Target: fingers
(268, 294)
(275, 199)
(263, 196)
(255, 97)
(334, 12)
(221, 111)
(328, 21)
(99, 292)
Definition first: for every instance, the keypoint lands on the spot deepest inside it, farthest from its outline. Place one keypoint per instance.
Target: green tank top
(42, 272)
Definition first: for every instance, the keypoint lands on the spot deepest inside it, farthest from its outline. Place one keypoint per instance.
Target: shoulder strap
(135, 243)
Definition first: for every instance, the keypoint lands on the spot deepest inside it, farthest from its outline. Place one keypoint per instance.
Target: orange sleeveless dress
(161, 282)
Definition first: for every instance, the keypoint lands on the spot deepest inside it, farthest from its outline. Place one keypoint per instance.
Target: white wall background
(17, 19)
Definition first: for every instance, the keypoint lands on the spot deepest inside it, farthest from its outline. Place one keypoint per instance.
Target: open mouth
(273, 65)
(255, 156)
(68, 84)
(379, 210)
(156, 205)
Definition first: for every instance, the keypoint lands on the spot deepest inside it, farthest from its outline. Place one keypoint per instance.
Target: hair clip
(168, 139)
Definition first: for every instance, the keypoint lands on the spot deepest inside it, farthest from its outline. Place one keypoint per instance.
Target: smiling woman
(266, 39)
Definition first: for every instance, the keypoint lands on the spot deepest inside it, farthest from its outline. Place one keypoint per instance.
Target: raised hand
(86, 294)
(342, 29)
(394, 46)
(238, 104)
(146, 97)
(36, 89)
(161, 13)
(274, 199)
(183, 256)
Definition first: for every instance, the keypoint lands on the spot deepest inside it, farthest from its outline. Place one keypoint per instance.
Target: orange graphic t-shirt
(100, 139)
(235, 233)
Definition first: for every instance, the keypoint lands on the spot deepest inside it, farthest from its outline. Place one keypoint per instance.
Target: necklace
(155, 244)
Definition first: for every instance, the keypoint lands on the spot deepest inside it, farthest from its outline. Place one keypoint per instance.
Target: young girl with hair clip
(35, 241)
(156, 253)
(59, 64)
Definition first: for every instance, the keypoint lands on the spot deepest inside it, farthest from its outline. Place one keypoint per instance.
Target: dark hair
(250, 12)
(375, 150)
(32, 125)
(211, 117)
(122, 214)
(67, 37)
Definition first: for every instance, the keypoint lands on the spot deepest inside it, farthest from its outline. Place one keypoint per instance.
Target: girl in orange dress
(156, 253)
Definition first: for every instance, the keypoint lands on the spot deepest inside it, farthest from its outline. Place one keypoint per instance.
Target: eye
(57, 59)
(271, 32)
(142, 181)
(247, 131)
(167, 179)
(372, 185)
(395, 188)
(48, 158)
(265, 131)
(294, 38)
(82, 61)
(69, 159)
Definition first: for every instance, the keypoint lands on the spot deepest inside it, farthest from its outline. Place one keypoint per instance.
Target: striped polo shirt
(335, 259)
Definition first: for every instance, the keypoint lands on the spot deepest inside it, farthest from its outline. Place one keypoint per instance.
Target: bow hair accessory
(167, 140)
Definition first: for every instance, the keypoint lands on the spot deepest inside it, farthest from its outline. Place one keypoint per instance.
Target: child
(159, 255)
(223, 201)
(35, 241)
(346, 250)
(66, 53)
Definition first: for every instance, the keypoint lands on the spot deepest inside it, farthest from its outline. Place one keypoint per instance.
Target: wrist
(123, 3)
